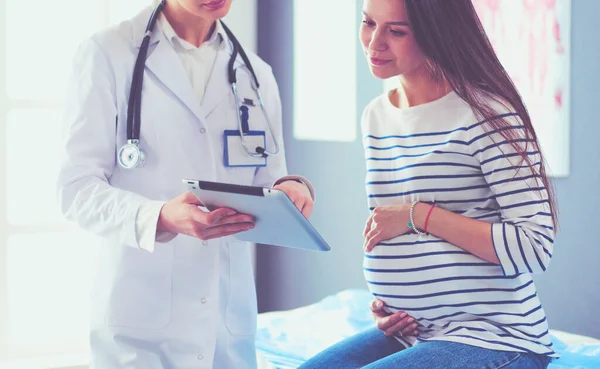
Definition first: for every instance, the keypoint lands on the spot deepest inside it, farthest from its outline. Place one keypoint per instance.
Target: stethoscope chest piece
(131, 156)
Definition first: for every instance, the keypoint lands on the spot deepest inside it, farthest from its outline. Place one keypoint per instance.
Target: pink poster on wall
(532, 40)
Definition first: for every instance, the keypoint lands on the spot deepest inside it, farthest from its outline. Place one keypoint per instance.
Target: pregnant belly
(426, 275)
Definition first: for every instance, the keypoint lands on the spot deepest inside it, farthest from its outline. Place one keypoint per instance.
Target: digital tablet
(277, 221)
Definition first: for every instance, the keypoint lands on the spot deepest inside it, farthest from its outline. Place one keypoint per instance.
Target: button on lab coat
(189, 303)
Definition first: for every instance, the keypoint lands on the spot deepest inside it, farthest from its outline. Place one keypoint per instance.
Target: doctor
(174, 290)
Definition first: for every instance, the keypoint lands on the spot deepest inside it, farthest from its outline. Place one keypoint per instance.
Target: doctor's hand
(385, 222)
(299, 194)
(399, 323)
(182, 215)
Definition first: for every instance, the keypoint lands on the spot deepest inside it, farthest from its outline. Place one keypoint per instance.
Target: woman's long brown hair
(454, 41)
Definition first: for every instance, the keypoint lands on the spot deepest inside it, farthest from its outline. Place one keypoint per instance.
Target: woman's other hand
(399, 323)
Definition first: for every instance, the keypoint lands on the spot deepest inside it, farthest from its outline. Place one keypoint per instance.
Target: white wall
(242, 21)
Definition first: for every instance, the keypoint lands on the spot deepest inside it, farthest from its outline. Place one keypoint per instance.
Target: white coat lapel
(167, 67)
(218, 86)
(165, 64)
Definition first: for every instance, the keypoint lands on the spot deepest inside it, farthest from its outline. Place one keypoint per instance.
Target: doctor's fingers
(212, 217)
(189, 198)
(307, 208)
(222, 230)
(303, 204)
(237, 218)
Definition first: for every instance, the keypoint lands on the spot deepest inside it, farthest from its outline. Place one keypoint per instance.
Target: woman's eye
(398, 32)
(368, 22)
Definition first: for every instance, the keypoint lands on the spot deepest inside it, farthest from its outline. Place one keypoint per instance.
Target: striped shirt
(441, 154)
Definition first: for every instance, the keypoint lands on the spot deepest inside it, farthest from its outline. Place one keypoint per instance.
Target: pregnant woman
(461, 211)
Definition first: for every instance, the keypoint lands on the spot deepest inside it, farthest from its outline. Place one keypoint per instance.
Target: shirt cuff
(146, 223)
(300, 179)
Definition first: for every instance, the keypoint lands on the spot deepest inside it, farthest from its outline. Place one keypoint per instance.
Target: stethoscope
(131, 155)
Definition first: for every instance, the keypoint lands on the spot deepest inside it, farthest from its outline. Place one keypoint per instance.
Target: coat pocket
(240, 315)
(133, 288)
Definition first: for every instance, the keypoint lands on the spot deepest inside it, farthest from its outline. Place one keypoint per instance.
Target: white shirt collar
(216, 38)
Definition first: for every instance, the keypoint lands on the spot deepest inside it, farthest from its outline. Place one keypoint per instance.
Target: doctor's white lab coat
(189, 303)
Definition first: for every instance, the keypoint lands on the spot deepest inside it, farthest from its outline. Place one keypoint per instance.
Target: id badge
(236, 155)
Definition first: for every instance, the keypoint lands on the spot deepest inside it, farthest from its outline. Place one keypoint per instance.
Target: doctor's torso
(181, 133)
(189, 292)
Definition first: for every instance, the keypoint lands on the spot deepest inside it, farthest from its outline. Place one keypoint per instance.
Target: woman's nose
(377, 43)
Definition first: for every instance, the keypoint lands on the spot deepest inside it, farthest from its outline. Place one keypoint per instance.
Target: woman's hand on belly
(391, 324)
(386, 222)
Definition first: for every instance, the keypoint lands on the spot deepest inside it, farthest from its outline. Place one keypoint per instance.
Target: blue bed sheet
(285, 339)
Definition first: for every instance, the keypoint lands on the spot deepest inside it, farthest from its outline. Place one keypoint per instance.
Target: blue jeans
(372, 349)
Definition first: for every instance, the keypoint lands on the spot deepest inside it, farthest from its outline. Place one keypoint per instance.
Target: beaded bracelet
(411, 222)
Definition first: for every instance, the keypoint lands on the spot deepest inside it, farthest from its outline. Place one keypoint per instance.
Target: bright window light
(325, 49)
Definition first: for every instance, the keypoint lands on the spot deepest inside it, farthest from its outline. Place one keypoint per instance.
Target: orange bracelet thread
(427, 218)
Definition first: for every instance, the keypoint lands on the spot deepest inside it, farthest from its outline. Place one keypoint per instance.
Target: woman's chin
(381, 73)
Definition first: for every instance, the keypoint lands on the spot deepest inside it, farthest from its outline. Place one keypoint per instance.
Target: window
(46, 264)
(533, 42)
(325, 71)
